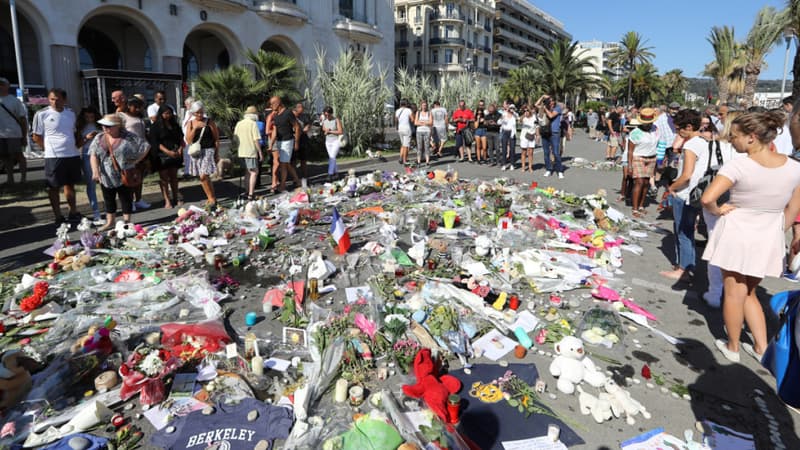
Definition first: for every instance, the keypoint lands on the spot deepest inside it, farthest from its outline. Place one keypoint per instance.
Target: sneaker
(503, 168)
(511, 167)
(141, 204)
(98, 222)
(722, 346)
(790, 276)
(560, 175)
(547, 173)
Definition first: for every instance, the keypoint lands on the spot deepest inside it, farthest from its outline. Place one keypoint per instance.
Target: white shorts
(405, 138)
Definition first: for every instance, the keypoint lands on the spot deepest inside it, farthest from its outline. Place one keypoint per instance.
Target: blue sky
(676, 29)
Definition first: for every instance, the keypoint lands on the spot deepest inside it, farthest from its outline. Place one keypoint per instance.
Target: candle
(340, 393)
(250, 319)
(258, 365)
(513, 302)
(356, 395)
(453, 404)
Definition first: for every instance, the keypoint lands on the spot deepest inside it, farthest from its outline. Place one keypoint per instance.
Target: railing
(401, 44)
(417, 42)
(446, 16)
(446, 41)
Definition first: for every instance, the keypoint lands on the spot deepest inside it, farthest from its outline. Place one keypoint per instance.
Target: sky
(676, 29)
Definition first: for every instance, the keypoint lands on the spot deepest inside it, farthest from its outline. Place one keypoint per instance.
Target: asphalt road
(722, 392)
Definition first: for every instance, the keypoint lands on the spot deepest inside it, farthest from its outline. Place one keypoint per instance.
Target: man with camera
(550, 133)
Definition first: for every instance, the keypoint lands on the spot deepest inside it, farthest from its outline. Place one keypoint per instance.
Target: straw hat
(111, 120)
(647, 115)
(251, 110)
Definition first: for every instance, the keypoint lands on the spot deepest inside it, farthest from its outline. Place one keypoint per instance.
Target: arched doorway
(207, 49)
(283, 45)
(29, 47)
(111, 41)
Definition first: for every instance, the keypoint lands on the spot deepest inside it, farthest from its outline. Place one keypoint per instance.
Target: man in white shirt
(13, 132)
(152, 110)
(54, 130)
(439, 114)
(187, 117)
(403, 118)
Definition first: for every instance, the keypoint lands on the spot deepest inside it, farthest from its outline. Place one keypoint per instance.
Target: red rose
(646, 372)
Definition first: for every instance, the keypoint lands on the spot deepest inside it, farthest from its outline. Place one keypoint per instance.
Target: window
(485, 64)
(403, 59)
(451, 9)
(448, 56)
(435, 57)
(353, 9)
(486, 41)
(148, 60)
(435, 31)
(419, 58)
(403, 35)
(401, 13)
(449, 31)
(418, 14)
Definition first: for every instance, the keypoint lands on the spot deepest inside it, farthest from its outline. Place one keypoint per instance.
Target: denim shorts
(480, 132)
(285, 149)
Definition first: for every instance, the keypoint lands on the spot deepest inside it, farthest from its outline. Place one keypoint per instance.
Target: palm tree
(631, 52)
(564, 71)
(226, 93)
(523, 84)
(646, 84)
(277, 74)
(767, 31)
(726, 50)
(674, 84)
(793, 23)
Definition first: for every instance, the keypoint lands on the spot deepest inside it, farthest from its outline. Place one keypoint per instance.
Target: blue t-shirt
(260, 124)
(555, 122)
(229, 426)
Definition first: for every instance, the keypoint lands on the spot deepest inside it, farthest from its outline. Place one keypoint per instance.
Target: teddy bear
(572, 367)
(622, 402)
(15, 379)
(431, 387)
(598, 406)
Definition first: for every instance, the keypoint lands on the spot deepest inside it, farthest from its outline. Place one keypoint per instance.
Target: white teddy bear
(622, 402)
(599, 407)
(572, 367)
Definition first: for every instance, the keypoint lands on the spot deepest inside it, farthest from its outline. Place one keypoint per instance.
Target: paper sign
(526, 320)
(231, 351)
(494, 345)
(537, 443)
(614, 214)
(277, 364)
(354, 293)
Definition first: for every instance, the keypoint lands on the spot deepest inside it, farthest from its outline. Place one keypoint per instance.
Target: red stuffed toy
(434, 389)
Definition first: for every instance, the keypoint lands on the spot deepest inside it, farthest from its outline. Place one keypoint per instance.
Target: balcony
(507, 50)
(281, 12)
(401, 44)
(446, 41)
(444, 67)
(528, 27)
(447, 16)
(529, 45)
(223, 5)
(470, 45)
(417, 43)
(357, 31)
(487, 26)
(418, 20)
(401, 20)
(483, 48)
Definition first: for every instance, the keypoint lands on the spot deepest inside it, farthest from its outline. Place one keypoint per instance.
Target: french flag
(339, 233)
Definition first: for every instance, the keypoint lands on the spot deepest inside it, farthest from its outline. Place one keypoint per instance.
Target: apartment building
(521, 32)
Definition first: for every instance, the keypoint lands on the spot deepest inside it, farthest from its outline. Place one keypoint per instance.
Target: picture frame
(295, 336)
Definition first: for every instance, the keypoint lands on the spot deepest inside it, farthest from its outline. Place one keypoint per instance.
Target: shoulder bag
(195, 149)
(781, 357)
(130, 177)
(697, 192)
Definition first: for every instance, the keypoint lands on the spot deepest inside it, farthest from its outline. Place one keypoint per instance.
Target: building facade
(439, 38)
(598, 53)
(521, 32)
(144, 45)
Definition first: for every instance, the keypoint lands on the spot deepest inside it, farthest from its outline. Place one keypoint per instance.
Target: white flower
(398, 317)
(151, 365)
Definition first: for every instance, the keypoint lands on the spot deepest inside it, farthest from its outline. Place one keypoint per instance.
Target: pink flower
(541, 336)
(9, 429)
(367, 326)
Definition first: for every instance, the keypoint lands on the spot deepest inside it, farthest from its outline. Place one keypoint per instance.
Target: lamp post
(788, 34)
(17, 53)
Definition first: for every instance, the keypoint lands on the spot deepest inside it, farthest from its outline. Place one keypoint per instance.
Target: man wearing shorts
(249, 138)
(614, 126)
(403, 116)
(439, 127)
(285, 139)
(54, 130)
(13, 132)
(462, 117)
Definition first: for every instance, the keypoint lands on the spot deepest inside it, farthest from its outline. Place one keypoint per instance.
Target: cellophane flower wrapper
(194, 340)
(151, 388)
(195, 288)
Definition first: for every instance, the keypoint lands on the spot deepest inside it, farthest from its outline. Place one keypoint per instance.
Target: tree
(465, 86)
(674, 86)
(767, 31)
(227, 92)
(564, 70)
(726, 52)
(524, 84)
(414, 86)
(631, 52)
(793, 22)
(357, 92)
(277, 74)
(646, 86)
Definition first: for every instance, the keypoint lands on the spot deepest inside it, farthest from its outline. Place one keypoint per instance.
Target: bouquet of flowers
(395, 326)
(144, 372)
(36, 299)
(521, 395)
(553, 332)
(404, 352)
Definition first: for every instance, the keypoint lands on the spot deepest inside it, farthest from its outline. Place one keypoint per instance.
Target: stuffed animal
(598, 407)
(124, 230)
(572, 367)
(15, 380)
(622, 402)
(431, 387)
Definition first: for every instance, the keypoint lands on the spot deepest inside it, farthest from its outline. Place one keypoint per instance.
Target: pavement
(719, 391)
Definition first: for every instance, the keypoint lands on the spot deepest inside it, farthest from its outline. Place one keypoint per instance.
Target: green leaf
(513, 402)
(520, 408)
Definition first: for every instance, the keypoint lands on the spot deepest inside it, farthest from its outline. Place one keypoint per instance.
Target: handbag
(343, 141)
(195, 150)
(130, 177)
(782, 358)
(467, 136)
(545, 130)
(697, 192)
(530, 136)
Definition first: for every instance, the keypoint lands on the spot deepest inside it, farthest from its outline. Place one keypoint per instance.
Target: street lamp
(788, 34)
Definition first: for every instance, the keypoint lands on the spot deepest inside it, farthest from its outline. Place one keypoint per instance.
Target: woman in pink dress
(748, 240)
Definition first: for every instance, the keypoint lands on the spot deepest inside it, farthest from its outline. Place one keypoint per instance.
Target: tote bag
(782, 357)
